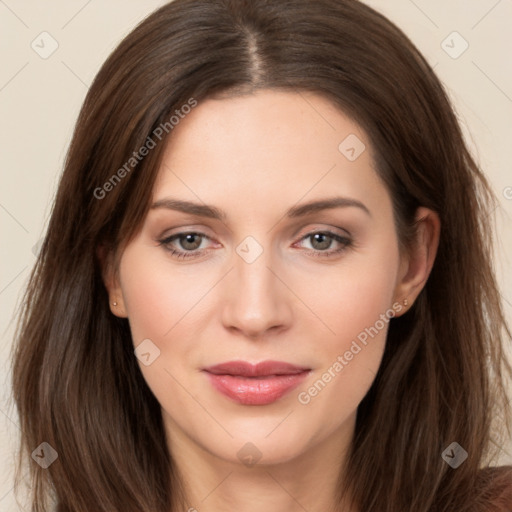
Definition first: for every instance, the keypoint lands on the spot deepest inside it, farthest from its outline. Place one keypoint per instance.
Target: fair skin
(254, 157)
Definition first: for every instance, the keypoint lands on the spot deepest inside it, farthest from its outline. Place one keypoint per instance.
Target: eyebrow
(204, 210)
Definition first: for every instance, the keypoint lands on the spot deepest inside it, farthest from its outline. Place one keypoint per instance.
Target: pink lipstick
(258, 384)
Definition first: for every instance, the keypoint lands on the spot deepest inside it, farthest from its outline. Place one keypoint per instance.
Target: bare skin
(254, 157)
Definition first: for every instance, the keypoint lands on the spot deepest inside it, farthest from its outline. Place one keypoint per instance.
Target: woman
(267, 274)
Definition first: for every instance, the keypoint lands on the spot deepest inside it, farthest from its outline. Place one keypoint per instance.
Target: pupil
(189, 239)
(319, 236)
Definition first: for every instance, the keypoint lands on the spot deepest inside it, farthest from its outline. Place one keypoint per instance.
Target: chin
(255, 445)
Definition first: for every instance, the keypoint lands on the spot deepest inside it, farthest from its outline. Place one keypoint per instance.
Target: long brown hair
(76, 382)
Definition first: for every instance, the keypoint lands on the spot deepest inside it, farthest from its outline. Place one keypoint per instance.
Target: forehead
(266, 146)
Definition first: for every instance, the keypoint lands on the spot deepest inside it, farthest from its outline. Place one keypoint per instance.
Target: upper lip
(246, 369)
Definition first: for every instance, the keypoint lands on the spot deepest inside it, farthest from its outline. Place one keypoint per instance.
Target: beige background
(40, 99)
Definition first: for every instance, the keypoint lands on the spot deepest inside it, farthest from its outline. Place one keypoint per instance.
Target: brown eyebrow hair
(213, 212)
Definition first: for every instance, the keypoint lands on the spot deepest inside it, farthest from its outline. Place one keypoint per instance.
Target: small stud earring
(114, 303)
(406, 302)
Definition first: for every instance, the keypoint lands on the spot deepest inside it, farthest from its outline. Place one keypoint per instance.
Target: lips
(258, 384)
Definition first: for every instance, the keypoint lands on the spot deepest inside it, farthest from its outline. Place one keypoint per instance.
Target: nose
(257, 299)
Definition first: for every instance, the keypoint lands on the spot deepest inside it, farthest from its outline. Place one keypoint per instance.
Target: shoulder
(494, 489)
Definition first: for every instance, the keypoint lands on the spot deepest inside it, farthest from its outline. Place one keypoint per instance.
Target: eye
(188, 244)
(189, 241)
(322, 240)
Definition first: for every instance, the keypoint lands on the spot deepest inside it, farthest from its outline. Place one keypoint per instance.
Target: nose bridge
(254, 281)
(257, 299)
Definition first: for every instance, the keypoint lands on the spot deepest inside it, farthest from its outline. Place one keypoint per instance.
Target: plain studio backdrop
(52, 50)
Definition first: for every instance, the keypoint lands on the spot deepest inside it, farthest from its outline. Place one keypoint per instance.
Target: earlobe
(117, 308)
(417, 264)
(110, 279)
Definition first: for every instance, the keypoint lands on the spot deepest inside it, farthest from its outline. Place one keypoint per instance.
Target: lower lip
(256, 390)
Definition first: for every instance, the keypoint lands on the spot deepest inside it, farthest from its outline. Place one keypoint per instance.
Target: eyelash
(344, 241)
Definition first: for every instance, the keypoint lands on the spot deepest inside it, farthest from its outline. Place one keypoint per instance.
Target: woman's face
(254, 283)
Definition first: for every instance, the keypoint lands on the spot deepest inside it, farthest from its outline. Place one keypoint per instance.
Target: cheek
(157, 299)
(352, 296)
(156, 295)
(358, 309)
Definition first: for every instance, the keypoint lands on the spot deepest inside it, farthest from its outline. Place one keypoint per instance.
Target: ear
(416, 264)
(110, 276)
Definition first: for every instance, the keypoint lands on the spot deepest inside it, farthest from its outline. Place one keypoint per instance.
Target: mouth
(259, 384)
